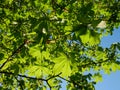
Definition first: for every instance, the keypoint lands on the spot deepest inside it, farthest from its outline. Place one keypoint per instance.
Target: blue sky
(112, 81)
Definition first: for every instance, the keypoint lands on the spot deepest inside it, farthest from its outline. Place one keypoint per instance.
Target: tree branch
(25, 76)
(19, 83)
(64, 79)
(13, 53)
(51, 78)
(54, 76)
(49, 85)
(74, 83)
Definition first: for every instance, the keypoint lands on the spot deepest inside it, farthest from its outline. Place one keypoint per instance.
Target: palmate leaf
(36, 53)
(46, 54)
(62, 65)
(38, 70)
(35, 71)
(91, 37)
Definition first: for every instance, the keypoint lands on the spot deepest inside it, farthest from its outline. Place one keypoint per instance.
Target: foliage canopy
(45, 41)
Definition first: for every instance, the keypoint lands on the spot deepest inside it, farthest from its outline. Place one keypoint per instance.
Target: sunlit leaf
(46, 54)
(36, 71)
(35, 52)
(97, 77)
(54, 40)
(90, 37)
(115, 67)
(106, 68)
(62, 65)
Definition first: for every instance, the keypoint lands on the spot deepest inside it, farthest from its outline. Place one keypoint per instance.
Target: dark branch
(25, 76)
(54, 76)
(51, 78)
(13, 53)
(49, 85)
(64, 79)
(19, 83)
(74, 83)
(28, 77)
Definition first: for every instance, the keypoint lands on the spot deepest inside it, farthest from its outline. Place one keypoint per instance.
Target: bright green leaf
(62, 65)
(91, 37)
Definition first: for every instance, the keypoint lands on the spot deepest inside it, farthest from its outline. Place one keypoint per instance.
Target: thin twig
(51, 78)
(13, 53)
(49, 85)
(54, 76)
(25, 76)
(64, 79)
(19, 83)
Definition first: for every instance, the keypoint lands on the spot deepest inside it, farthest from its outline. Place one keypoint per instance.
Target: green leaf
(35, 52)
(96, 22)
(101, 55)
(80, 30)
(0, 10)
(106, 68)
(68, 30)
(115, 67)
(97, 77)
(46, 54)
(38, 70)
(62, 65)
(91, 37)
(1, 56)
(35, 71)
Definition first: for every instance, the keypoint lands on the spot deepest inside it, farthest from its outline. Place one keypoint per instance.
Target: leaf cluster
(43, 42)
